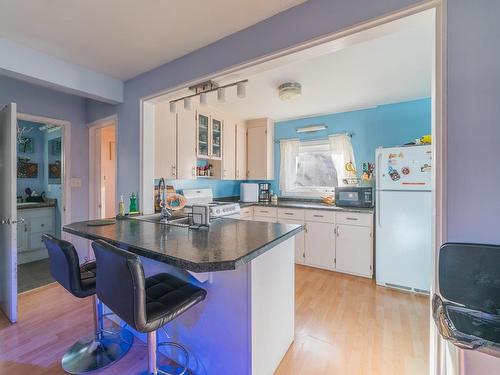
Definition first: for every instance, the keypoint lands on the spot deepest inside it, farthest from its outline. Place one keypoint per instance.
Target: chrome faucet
(166, 213)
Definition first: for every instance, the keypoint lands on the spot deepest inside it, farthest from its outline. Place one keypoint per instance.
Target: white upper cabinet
(186, 144)
(260, 149)
(241, 151)
(202, 134)
(229, 150)
(165, 142)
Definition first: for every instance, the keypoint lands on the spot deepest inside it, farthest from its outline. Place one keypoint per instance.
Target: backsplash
(221, 188)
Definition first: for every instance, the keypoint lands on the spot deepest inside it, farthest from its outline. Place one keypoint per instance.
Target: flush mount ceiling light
(289, 90)
(204, 88)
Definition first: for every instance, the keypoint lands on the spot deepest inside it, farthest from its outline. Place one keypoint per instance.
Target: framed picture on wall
(26, 169)
(26, 145)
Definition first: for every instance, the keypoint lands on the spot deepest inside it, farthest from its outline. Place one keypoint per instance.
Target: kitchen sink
(176, 221)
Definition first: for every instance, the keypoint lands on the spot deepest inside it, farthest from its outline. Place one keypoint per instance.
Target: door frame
(94, 162)
(65, 160)
(444, 358)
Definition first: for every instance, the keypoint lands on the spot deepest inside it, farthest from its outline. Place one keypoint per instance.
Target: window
(314, 167)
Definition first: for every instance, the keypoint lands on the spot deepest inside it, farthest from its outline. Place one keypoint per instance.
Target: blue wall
(37, 156)
(385, 125)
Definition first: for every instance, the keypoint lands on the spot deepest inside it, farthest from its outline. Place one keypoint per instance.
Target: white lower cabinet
(300, 254)
(320, 245)
(354, 248)
(340, 241)
(37, 222)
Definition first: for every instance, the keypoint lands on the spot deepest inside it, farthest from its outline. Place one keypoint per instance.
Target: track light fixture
(202, 89)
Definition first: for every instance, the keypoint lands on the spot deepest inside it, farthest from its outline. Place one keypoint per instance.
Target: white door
(320, 245)
(8, 212)
(404, 168)
(299, 241)
(165, 142)
(241, 152)
(257, 153)
(354, 249)
(186, 141)
(229, 151)
(404, 239)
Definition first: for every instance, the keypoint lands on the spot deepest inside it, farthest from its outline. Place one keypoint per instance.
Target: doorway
(103, 166)
(434, 232)
(35, 199)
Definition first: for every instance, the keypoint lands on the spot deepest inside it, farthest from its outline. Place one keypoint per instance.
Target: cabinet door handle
(318, 216)
(288, 213)
(338, 231)
(352, 218)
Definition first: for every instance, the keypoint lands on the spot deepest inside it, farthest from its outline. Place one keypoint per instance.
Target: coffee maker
(264, 192)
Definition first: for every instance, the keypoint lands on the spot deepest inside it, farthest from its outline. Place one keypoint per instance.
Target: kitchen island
(246, 323)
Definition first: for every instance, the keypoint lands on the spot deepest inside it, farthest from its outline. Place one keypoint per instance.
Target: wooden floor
(344, 325)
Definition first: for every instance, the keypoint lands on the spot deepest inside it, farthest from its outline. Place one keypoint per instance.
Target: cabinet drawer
(354, 218)
(265, 211)
(246, 212)
(41, 224)
(291, 213)
(320, 215)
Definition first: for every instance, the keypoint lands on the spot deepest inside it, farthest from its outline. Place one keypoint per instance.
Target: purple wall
(474, 133)
(36, 100)
(309, 20)
(473, 110)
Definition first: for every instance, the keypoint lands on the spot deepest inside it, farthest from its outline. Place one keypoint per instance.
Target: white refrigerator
(404, 217)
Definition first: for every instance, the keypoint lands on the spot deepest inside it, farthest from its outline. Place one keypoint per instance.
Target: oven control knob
(217, 211)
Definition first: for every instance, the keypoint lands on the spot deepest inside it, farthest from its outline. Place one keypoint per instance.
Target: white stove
(204, 197)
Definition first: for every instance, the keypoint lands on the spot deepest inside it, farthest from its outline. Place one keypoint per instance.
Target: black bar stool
(104, 347)
(145, 304)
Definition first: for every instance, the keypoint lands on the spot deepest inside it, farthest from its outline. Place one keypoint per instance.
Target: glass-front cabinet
(216, 144)
(209, 137)
(203, 136)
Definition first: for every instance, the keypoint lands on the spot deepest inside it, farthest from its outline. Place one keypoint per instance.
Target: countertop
(26, 205)
(298, 203)
(225, 245)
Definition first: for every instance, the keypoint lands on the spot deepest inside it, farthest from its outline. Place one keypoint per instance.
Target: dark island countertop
(225, 245)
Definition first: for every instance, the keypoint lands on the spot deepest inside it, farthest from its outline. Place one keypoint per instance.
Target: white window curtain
(289, 149)
(342, 153)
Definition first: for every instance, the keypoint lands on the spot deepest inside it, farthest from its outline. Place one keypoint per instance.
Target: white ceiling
(386, 65)
(123, 38)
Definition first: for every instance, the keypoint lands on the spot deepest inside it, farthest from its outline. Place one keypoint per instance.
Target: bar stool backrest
(121, 283)
(64, 264)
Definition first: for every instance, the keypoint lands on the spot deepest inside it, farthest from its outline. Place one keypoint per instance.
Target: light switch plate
(76, 182)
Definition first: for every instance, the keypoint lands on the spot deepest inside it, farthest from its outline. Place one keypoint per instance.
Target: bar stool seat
(146, 304)
(104, 347)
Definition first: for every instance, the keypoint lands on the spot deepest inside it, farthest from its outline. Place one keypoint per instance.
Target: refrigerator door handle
(378, 170)
(377, 208)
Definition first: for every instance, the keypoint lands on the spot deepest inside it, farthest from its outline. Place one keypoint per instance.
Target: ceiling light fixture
(241, 89)
(221, 94)
(187, 104)
(289, 90)
(202, 89)
(203, 99)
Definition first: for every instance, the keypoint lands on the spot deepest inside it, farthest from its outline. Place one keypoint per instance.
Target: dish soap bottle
(133, 204)
(121, 207)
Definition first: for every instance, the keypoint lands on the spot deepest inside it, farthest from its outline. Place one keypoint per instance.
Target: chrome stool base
(153, 368)
(93, 353)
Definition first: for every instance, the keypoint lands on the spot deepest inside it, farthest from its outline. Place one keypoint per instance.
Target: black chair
(146, 304)
(104, 347)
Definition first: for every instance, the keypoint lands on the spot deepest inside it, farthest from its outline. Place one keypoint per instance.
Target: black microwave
(354, 196)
